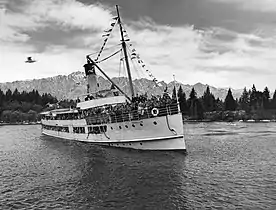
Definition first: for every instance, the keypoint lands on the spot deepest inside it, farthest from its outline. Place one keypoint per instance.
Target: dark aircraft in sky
(30, 60)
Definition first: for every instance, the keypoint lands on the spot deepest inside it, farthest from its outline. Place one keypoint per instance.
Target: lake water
(228, 166)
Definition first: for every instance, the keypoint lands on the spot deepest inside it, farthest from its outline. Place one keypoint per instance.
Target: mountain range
(74, 85)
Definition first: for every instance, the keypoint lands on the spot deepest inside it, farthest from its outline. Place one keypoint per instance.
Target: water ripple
(228, 166)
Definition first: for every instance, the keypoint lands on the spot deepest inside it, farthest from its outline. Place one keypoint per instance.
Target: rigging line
(137, 71)
(109, 56)
(120, 65)
(143, 73)
(105, 41)
(108, 48)
(135, 67)
(124, 67)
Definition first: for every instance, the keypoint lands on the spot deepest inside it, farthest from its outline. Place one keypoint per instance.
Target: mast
(125, 53)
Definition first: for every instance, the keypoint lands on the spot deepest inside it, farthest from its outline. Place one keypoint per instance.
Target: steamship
(114, 117)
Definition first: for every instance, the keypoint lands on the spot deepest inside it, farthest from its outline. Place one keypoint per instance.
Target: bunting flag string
(135, 55)
(106, 34)
(109, 30)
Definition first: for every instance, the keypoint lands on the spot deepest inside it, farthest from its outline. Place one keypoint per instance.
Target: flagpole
(178, 105)
(174, 83)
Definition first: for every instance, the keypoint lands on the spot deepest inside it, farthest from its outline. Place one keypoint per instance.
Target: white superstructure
(153, 133)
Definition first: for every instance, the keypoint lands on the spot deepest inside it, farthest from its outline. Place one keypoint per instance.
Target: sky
(223, 43)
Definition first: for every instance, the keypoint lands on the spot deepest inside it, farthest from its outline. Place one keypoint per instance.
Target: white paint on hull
(159, 133)
(170, 143)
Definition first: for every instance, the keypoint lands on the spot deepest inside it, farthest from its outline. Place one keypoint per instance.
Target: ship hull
(159, 133)
(166, 144)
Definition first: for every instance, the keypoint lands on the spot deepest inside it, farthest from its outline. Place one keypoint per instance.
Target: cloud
(213, 55)
(69, 13)
(20, 19)
(255, 5)
(32, 15)
(207, 56)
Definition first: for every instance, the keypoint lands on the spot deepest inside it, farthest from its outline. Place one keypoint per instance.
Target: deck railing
(132, 115)
(119, 115)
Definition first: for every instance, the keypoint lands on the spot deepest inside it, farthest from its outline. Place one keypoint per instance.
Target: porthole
(141, 124)
(155, 123)
(141, 143)
(126, 126)
(133, 125)
(111, 128)
(120, 127)
(130, 144)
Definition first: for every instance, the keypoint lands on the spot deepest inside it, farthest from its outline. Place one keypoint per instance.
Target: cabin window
(78, 130)
(103, 128)
(56, 128)
(97, 129)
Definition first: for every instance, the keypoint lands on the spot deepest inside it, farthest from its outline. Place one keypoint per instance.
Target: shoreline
(184, 121)
(244, 121)
(20, 123)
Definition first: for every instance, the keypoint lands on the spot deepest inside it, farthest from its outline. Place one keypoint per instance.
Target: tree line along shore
(24, 107)
(252, 105)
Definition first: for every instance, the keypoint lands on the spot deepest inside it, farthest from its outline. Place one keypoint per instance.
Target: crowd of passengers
(139, 108)
(56, 128)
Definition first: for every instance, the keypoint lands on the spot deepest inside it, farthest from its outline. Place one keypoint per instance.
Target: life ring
(154, 112)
